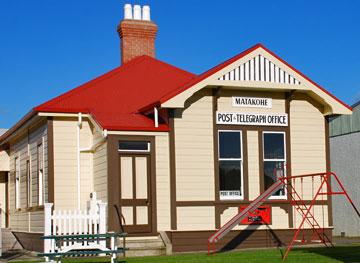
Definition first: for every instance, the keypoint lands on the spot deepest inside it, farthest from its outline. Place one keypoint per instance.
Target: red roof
(115, 98)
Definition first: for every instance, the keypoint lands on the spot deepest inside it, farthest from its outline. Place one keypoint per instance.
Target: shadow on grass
(348, 253)
(238, 240)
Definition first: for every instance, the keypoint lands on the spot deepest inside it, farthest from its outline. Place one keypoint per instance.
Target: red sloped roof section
(114, 98)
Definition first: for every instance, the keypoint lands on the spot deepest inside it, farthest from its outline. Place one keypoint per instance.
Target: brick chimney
(137, 33)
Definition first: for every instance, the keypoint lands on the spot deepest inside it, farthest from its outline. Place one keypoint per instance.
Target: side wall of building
(27, 218)
(345, 155)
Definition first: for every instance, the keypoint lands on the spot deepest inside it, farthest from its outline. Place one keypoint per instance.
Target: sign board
(262, 215)
(246, 118)
(252, 102)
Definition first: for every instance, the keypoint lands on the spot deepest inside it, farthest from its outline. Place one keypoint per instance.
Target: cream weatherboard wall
(100, 167)
(25, 148)
(194, 149)
(253, 164)
(308, 148)
(65, 163)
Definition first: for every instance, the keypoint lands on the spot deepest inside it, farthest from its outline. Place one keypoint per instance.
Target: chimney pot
(137, 33)
(128, 11)
(146, 13)
(137, 12)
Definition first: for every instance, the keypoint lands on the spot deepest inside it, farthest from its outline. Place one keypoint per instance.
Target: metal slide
(225, 229)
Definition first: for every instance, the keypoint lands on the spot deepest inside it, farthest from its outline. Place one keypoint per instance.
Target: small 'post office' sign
(252, 102)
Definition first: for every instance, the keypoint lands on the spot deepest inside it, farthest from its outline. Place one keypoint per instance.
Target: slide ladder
(325, 188)
(304, 207)
(225, 229)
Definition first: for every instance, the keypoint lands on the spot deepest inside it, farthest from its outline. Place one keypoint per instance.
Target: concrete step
(9, 242)
(145, 246)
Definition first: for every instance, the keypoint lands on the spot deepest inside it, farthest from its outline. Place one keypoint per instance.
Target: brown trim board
(51, 175)
(328, 168)
(218, 212)
(7, 196)
(173, 212)
(288, 98)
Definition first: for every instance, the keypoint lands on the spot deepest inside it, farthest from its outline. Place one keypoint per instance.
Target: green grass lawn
(348, 253)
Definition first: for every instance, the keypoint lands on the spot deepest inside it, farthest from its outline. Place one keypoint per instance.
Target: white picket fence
(75, 222)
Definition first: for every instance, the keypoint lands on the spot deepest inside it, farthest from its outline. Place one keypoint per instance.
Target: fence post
(47, 227)
(102, 221)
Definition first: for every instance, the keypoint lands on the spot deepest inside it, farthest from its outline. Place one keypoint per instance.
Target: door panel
(141, 172)
(135, 192)
(142, 215)
(128, 214)
(126, 177)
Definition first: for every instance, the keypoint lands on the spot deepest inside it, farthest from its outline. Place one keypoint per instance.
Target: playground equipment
(320, 188)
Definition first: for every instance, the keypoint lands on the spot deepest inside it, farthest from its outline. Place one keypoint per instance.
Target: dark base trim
(189, 241)
(30, 241)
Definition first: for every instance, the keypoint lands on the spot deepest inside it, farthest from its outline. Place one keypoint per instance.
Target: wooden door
(135, 192)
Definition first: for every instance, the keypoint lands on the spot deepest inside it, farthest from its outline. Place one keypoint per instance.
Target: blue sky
(49, 46)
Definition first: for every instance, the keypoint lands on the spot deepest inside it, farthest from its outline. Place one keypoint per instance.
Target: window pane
(230, 176)
(274, 146)
(133, 146)
(271, 171)
(229, 145)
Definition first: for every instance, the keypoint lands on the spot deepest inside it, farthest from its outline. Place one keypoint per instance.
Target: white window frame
(281, 197)
(17, 181)
(28, 183)
(135, 151)
(40, 174)
(241, 160)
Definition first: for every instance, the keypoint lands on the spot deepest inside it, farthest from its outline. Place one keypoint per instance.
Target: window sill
(35, 208)
(29, 209)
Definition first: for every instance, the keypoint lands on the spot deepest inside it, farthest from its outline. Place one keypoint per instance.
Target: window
(274, 160)
(230, 165)
(40, 172)
(134, 146)
(28, 184)
(17, 182)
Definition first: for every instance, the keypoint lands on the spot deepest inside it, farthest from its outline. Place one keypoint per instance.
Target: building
(4, 167)
(345, 156)
(178, 152)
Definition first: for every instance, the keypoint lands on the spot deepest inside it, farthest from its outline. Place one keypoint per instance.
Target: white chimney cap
(137, 12)
(146, 13)
(128, 11)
